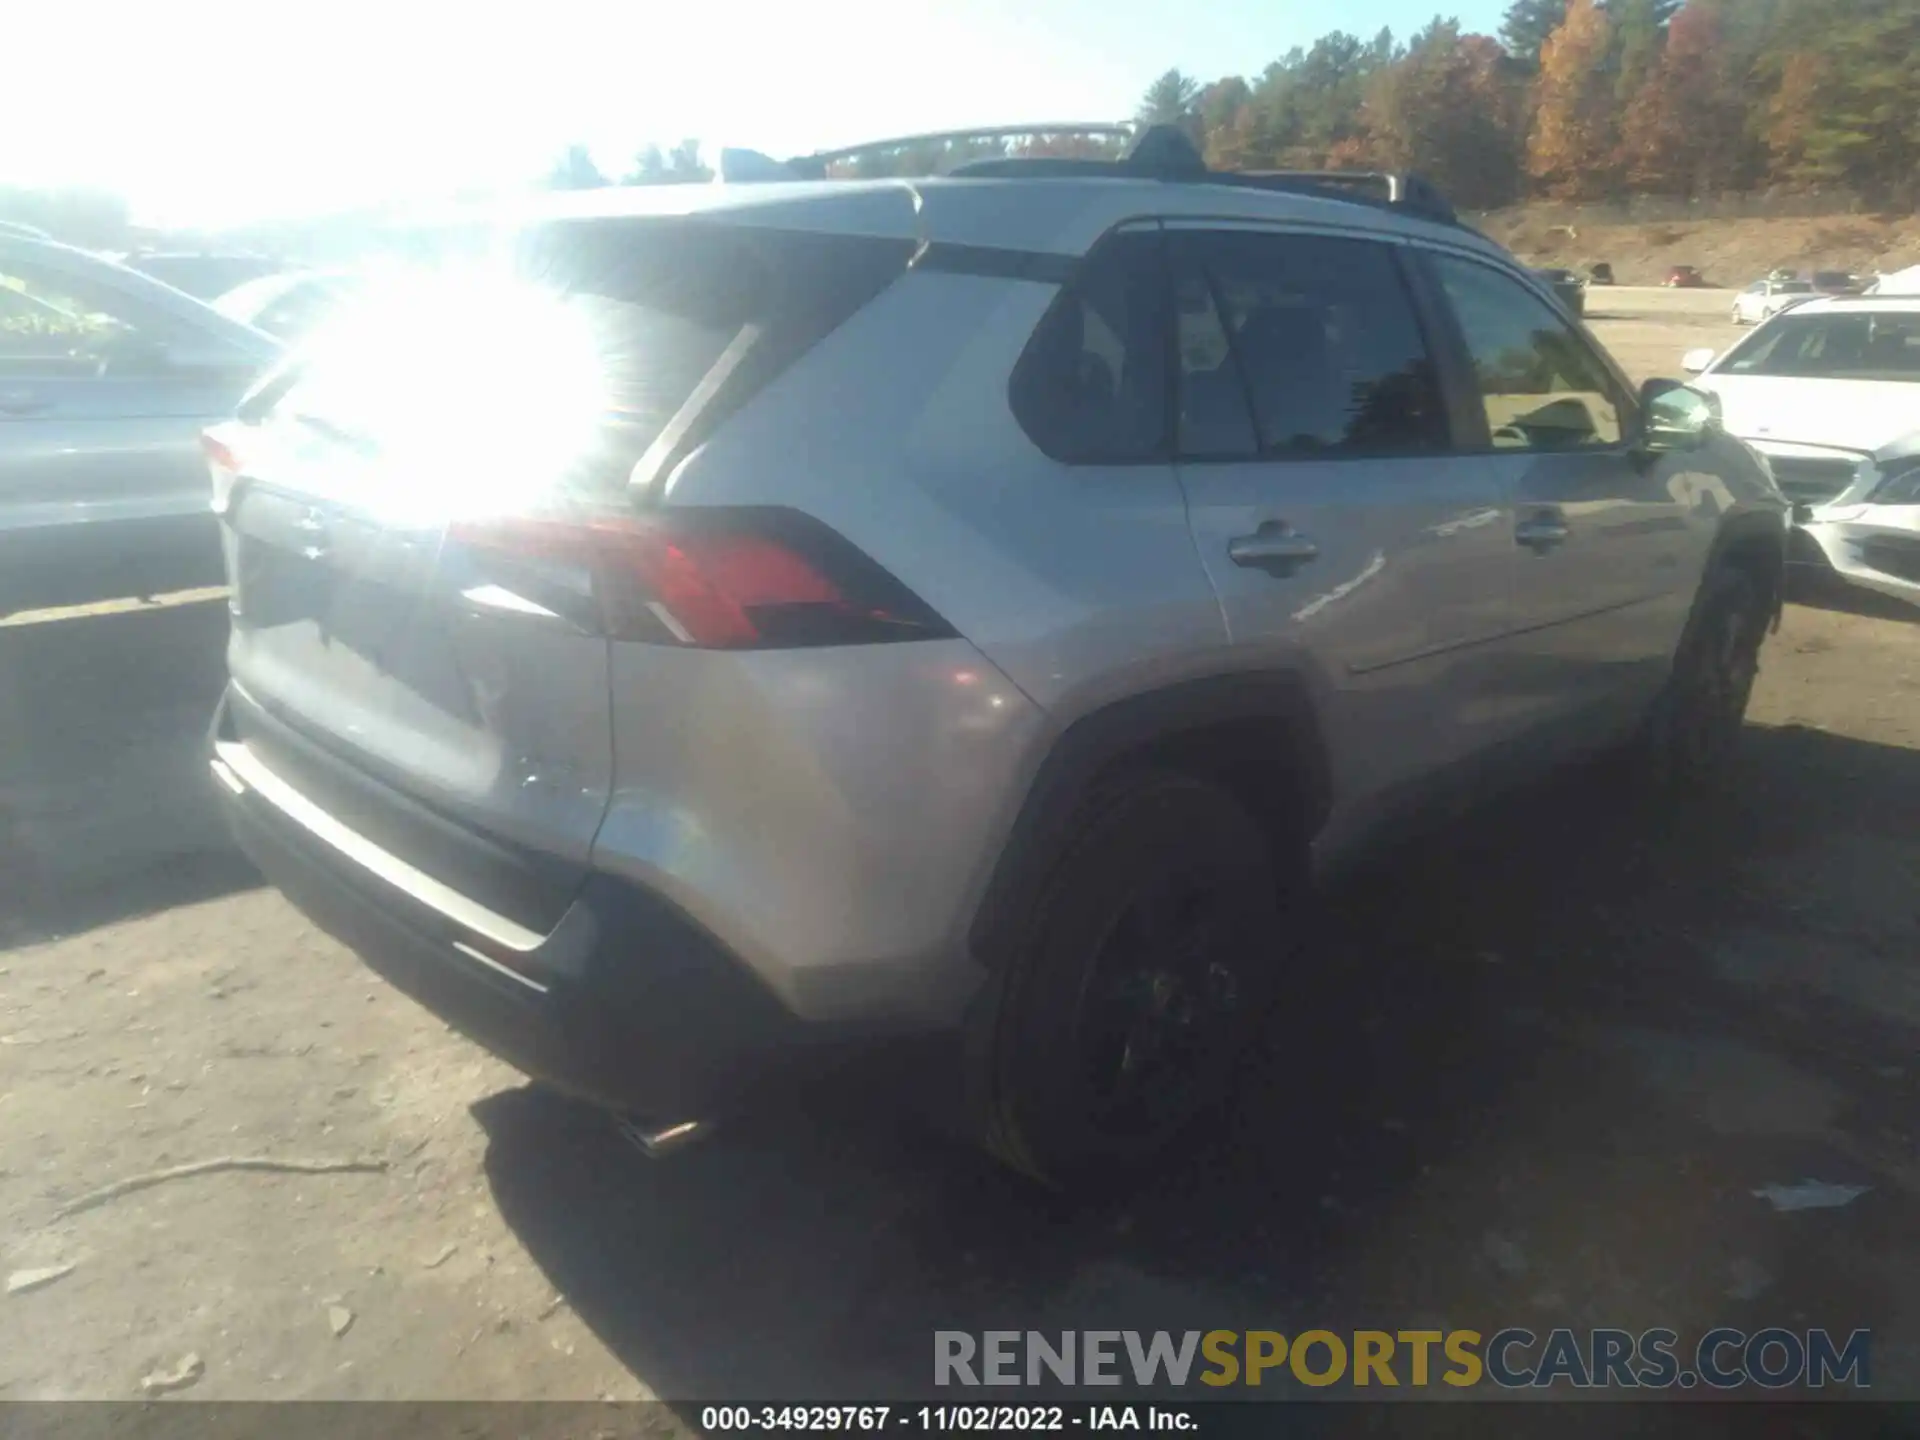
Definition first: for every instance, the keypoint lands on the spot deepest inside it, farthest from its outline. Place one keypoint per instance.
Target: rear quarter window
(626, 316)
(1091, 385)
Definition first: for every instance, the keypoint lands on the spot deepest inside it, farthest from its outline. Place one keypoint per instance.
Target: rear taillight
(719, 579)
(223, 463)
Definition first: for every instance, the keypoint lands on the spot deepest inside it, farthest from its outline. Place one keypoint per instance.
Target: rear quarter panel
(859, 797)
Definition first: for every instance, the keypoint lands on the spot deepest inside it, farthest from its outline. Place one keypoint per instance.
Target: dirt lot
(1539, 1087)
(1728, 252)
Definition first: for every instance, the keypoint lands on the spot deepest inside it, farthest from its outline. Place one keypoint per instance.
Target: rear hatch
(420, 643)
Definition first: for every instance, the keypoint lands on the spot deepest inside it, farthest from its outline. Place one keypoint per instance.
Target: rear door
(1336, 524)
(102, 488)
(1604, 560)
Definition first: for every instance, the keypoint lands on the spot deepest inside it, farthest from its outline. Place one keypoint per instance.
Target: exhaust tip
(657, 1142)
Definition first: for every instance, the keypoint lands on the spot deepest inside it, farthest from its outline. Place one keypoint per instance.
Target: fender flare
(1097, 742)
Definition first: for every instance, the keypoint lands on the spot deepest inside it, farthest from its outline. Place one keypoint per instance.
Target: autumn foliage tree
(1570, 152)
(1577, 100)
(1448, 110)
(1682, 133)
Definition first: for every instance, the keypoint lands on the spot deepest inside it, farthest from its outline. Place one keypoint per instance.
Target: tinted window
(1541, 386)
(1092, 384)
(55, 325)
(1322, 339)
(1216, 421)
(1850, 345)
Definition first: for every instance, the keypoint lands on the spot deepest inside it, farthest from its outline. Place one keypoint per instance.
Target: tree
(1637, 28)
(1681, 136)
(1867, 133)
(1571, 147)
(1792, 113)
(679, 166)
(1448, 110)
(1528, 24)
(575, 170)
(1171, 100)
(1220, 104)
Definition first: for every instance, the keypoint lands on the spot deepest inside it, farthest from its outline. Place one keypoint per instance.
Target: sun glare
(479, 390)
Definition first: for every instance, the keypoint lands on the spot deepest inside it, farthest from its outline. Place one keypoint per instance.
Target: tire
(1143, 969)
(1694, 731)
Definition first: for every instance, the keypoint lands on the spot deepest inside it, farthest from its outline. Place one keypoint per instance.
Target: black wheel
(1147, 964)
(1695, 728)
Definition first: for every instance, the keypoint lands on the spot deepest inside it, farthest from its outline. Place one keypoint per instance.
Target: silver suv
(764, 621)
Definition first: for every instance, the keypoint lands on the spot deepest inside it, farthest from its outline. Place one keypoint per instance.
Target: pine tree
(1528, 24)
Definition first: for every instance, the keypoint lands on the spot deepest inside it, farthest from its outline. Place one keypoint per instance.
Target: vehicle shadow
(105, 806)
(1826, 593)
(1435, 1067)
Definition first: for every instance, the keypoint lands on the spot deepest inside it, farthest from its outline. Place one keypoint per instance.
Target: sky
(212, 112)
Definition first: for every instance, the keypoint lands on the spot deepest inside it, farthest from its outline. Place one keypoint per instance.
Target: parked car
(1157, 573)
(1764, 299)
(1783, 273)
(1836, 282)
(1600, 273)
(1899, 282)
(106, 379)
(1684, 277)
(1818, 391)
(289, 304)
(1567, 288)
(1869, 534)
(203, 276)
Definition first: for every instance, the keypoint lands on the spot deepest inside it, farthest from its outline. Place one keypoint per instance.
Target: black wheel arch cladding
(1194, 727)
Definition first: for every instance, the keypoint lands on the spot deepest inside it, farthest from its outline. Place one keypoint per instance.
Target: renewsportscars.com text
(1720, 1359)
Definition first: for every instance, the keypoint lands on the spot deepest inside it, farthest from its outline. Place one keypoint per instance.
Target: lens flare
(476, 391)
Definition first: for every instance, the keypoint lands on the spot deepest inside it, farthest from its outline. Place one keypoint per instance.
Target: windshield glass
(1848, 345)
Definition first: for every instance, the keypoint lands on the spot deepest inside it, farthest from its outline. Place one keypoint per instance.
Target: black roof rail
(1160, 152)
(1405, 191)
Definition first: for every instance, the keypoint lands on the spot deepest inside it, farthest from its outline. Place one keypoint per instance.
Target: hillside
(1727, 252)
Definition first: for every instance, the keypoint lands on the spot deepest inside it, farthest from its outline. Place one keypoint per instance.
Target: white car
(1765, 299)
(1869, 534)
(1828, 392)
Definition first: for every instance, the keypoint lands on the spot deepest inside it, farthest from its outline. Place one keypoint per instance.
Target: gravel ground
(1539, 1087)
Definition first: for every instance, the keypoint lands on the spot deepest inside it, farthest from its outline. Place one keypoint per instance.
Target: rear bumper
(625, 1002)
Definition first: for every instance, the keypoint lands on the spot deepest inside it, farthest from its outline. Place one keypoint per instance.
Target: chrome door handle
(23, 402)
(1541, 534)
(1277, 548)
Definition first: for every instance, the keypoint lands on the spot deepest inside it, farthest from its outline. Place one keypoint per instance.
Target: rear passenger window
(1091, 387)
(1541, 386)
(1313, 338)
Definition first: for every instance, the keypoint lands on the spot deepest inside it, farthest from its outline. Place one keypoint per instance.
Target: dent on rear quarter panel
(821, 811)
(832, 814)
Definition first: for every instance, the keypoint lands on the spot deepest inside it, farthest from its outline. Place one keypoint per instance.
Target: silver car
(764, 621)
(107, 378)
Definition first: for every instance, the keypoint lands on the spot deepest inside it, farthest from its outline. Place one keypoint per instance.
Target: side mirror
(1694, 361)
(1674, 417)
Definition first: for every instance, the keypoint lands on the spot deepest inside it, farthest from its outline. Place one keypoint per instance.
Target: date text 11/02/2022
(1721, 1359)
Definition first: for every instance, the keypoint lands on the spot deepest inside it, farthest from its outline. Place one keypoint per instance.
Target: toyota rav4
(705, 631)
